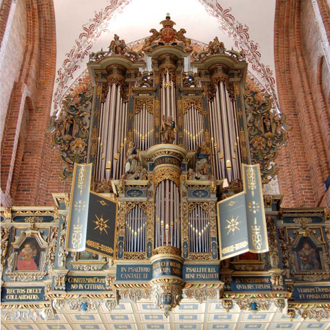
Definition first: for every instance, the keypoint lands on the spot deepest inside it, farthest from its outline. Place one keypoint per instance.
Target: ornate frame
(22, 276)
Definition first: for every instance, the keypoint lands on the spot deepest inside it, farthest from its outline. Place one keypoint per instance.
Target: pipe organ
(166, 142)
(167, 205)
(167, 138)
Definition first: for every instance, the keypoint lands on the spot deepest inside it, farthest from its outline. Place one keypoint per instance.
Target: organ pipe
(199, 231)
(224, 135)
(136, 222)
(112, 134)
(167, 214)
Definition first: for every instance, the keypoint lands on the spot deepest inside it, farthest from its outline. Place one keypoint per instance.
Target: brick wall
(34, 88)
(13, 36)
(31, 167)
(304, 160)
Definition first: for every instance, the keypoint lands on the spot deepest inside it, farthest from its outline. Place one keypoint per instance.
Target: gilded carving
(196, 103)
(147, 102)
(266, 129)
(163, 173)
(71, 129)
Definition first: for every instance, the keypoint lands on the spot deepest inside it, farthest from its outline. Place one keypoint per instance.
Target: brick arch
(303, 161)
(17, 173)
(32, 91)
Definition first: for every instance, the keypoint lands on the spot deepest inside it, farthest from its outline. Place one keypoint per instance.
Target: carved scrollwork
(167, 250)
(62, 253)
(59, 282)
(167, 293)
(110, 304)
(28, 314)
(253, 304)
(227, 304)
(147, 102)
(71, 129)
(84, 304)
(202, 292)
(135, 255)
(280, 304)
(314, 313)
(135, 294)
(266, 131)
(5, 234)
(196, 103)
(170, 173)
(200, 256)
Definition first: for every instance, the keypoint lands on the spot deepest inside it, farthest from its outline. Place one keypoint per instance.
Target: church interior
(165, 164)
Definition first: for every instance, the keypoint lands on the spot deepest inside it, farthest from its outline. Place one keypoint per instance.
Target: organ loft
(169, 145)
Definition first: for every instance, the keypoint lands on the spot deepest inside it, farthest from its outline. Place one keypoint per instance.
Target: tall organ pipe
(112, 134)
(136, 221)
(224, 133)
(167, 214)
(199, 232)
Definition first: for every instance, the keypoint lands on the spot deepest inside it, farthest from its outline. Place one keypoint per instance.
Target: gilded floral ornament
(70, 128)
(266, 129)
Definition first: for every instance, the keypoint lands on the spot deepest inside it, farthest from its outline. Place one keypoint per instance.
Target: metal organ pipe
(193, 128)
(109, 154)
(199, 232)
(143, 129)
(111, 147)
(136, 221)
(224, 133)
(167, 214)
(237, 139)
(104, 136)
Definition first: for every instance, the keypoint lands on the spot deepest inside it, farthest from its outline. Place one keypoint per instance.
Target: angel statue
(203, 155)
(168, 130)
(132, 159)
(117, 46)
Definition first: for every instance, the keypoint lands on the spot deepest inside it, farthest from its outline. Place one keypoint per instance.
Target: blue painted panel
(15, 294)
(153, 317)
(188, 307)
(285, 326)
(257, 317)
(309, 293)
(188, 317)
(201, 272)
(84, 317)
(119, 317)
(252, 326)
(315, 326)
(188, 326)
(85, 283)
(155, 326)
(251, 283)
(223, 317)
(133, 273)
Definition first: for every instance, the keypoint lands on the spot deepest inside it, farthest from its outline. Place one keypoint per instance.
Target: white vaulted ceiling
(83, 26)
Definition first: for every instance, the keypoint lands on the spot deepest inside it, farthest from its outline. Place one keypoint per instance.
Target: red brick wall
(35, 81)
(13, 36)
(31, 167)
(304, 160)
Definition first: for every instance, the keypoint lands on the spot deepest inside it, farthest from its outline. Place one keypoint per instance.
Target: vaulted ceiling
(83, 26)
